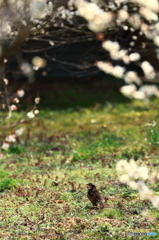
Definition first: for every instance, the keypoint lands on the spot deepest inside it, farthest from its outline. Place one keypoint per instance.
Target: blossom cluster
(135, 176)
(142, 93)
(97, 19)
(9, 104)
(12, 138)
(141, 21)
(37, 15)
(107, 67)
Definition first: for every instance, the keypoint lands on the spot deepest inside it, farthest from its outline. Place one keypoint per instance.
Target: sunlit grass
(65, 150)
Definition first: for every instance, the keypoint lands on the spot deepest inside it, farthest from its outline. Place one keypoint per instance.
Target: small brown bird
(94, 195)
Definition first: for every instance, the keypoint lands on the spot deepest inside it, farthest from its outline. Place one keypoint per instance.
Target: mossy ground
(43, 192)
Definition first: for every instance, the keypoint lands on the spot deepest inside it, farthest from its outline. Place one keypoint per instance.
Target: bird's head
(91, 186)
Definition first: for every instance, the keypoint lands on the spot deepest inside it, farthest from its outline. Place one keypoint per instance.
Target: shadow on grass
(76, 93)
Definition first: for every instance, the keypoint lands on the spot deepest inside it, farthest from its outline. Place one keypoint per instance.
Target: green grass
(42, 179)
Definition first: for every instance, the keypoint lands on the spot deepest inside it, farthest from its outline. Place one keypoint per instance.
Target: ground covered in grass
(44, 176)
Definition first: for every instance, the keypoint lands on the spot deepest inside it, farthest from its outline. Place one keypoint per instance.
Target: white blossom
(13, 107)
(126, 59)
(133, 185)
(114, 55)
(125, 27)
(16, 100)
(145, 191)
(147, 69)
(122, 53)
(150, 4)
(142, 172)
(20, 93)
(51, 43)
(97, 19)
(37, 100)
(5, 146)
(133, 175)
(88, 10)
(155, 201)
(148, 14)
(139, 95)
(39, 62)
(5, 81)
(132, 43)
(11, 138)
(123, 15)
(19, 131)
(134, 57)
(105, 66)
(149, 90)
(134, 37)
(111, 46)
(124, 178)
(30, 114)
(128, 90)
(36, 111)
(133, 165)
(118, 71)
(121, 165)
(131, 77)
